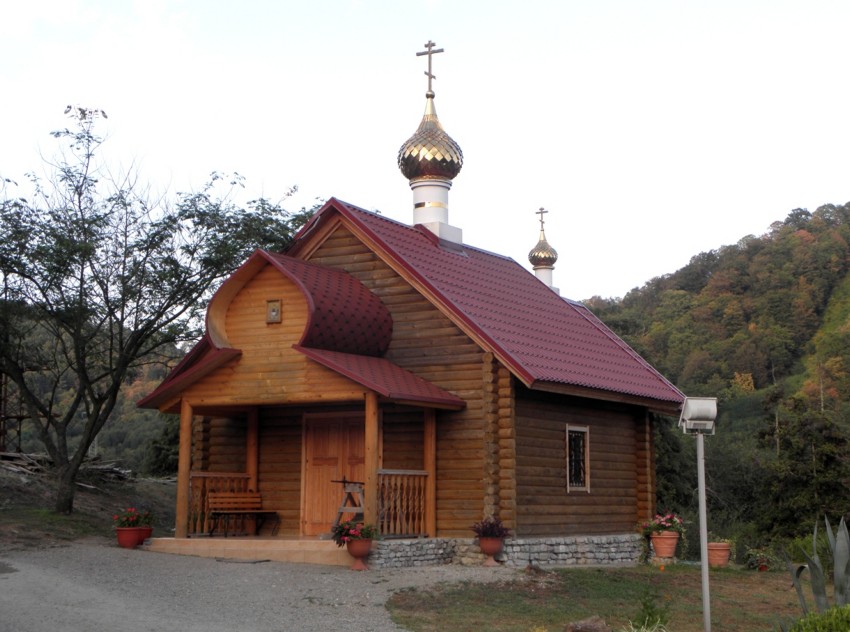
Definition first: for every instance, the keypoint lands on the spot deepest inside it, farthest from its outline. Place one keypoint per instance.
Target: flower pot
(128, 537)
(359, 550)
(490, 547)
(144, 534)
(664, 543)
(719, 553)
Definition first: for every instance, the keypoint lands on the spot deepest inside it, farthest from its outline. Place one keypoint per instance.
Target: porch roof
(385, 378)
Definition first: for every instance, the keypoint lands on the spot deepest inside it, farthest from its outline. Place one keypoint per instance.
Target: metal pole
(703, 533)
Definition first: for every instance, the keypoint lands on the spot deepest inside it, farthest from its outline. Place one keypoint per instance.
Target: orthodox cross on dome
(541, 213)
(431, 51)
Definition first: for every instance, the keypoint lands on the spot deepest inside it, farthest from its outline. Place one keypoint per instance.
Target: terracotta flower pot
(664, 543)
(719, 553)
(491, 547)
(144, 534)
(128, 537)
(359, 550)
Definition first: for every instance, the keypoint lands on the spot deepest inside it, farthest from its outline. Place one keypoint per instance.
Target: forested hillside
(764, 325)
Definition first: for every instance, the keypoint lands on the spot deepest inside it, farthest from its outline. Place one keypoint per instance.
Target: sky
(650, 130)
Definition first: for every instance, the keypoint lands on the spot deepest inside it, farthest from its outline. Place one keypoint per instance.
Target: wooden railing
(401, 500)
(201, 484)
(401, 503)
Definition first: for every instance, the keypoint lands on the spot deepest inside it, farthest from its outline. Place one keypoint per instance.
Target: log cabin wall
(403, 440)
(645, 462)
(506, 437)
(427, 343)
(269, 371)
(226, 445)
(544, 507)
(200, 443)
(280, 465)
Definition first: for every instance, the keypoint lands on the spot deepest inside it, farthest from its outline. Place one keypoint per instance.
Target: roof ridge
(418, 229)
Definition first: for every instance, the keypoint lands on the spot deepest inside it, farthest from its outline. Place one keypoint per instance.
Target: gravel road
(92, 586)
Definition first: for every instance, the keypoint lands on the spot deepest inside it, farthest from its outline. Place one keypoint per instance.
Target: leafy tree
(162, 453)
(809, 477)
(99, 277)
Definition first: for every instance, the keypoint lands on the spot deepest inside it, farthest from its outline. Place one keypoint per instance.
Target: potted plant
(664, 531)
(719, 551)
(491, 537)
(761, 559)
(357, 538)
(129, 527)
(146, 522)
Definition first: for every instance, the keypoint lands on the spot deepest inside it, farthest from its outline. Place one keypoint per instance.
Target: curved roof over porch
(343, 314)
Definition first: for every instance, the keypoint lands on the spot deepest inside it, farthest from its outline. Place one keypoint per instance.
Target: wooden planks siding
(428, 344)
(280, 466)
(269, 370)
(543, 505)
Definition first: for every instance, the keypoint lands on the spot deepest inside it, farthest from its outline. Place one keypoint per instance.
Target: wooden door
(333, 449)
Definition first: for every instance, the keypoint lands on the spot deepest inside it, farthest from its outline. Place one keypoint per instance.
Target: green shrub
(832, 620)
(803, 544)
(652, 612)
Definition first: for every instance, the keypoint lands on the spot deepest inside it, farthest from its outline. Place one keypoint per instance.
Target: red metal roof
(541, 337)
(385, 378)
(343, 314)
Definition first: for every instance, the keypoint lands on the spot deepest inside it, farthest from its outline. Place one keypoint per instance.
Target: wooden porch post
(430, 465)
(252, 447)
(184, 466)
(370, 500)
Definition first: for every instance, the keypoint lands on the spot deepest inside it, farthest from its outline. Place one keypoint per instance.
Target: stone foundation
(410, 553)
(596, 550)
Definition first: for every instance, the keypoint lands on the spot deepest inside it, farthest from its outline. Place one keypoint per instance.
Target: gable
(269, 370)
(424, 340)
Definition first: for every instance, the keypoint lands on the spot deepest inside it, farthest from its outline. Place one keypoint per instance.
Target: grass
(741, 600)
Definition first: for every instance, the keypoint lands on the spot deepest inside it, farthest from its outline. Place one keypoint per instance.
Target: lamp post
(698, 415)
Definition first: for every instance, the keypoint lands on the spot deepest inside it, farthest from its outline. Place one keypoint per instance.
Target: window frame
(585, 430)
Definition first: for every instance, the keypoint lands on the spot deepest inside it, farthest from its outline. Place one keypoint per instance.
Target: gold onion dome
(430, 152)
(543, 255)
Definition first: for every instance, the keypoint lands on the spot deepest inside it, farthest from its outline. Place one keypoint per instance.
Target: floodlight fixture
(698, 415)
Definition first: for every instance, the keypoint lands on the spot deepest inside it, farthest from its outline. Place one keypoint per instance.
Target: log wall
(269, 370)
(403, 440)
(427, 343)
(225, 445)
(544, 507)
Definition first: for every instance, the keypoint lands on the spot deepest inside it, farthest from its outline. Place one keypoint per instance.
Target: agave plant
(839, 545)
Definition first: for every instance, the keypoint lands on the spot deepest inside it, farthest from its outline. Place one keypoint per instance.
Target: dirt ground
(26, 502)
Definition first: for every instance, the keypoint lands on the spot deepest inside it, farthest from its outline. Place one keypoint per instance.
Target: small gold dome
(543, 255)
(430, 152)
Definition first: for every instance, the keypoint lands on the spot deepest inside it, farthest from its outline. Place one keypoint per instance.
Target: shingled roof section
(343, 314)
(541, 337)
(385, 378)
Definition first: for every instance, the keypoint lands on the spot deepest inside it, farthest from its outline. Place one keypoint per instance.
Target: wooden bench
(227, 505)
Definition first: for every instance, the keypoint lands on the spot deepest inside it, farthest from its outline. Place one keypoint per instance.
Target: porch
(306, 550)
(599, 550)
(402, 507)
